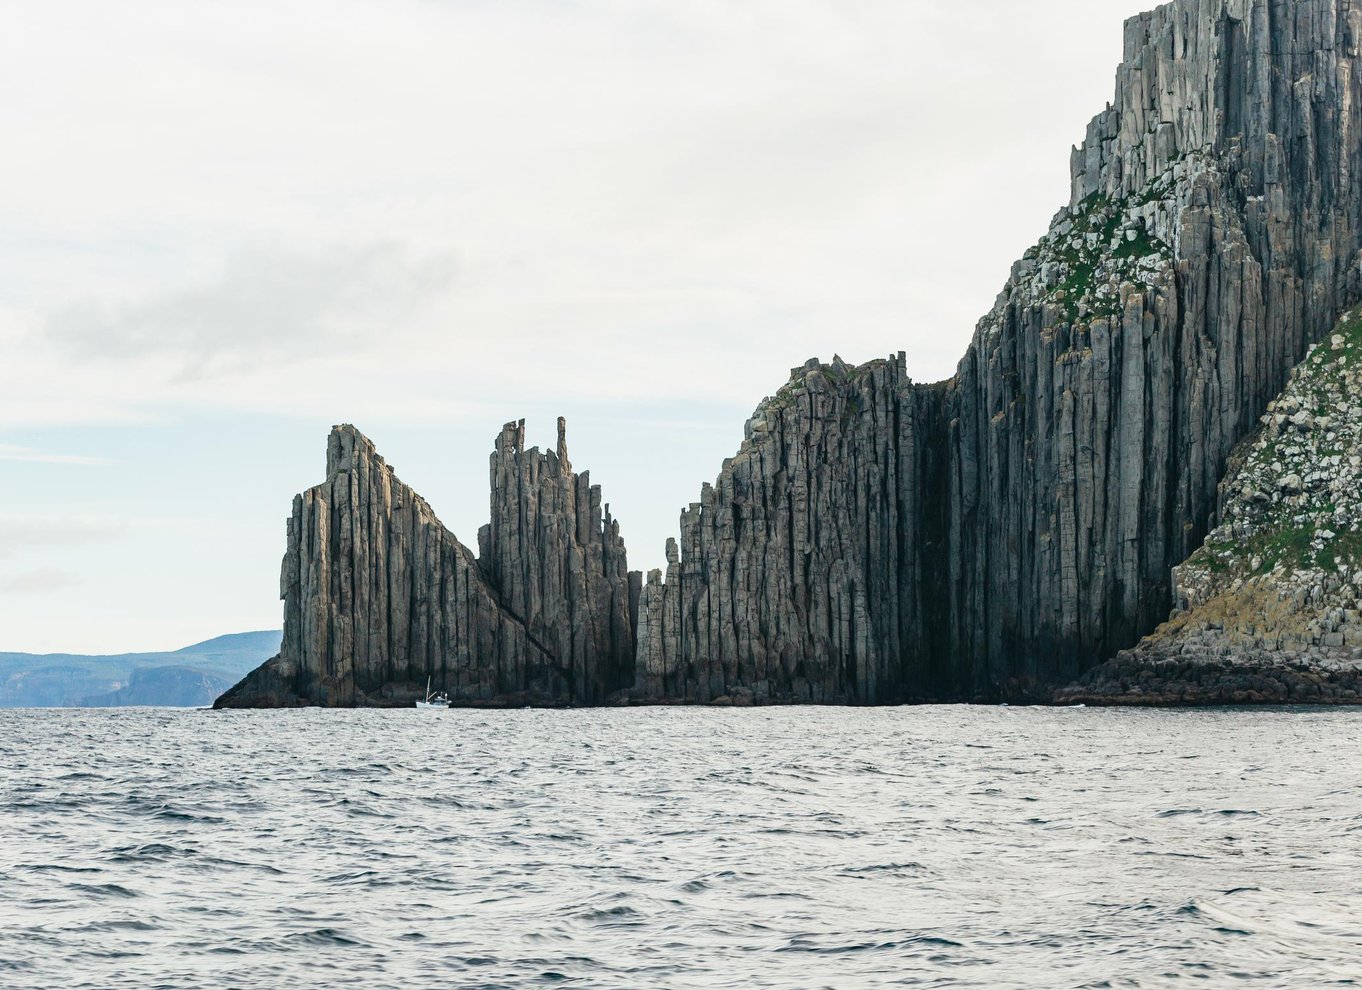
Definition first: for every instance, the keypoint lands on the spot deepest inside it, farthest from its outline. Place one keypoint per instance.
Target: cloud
(267, 305)
(265, 229)
(37, 582)
(18, 533)
(515, 209)
(10, 452)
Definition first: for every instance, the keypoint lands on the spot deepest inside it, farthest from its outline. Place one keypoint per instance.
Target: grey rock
(1002, 532)
(1230, 603)
(379, 596)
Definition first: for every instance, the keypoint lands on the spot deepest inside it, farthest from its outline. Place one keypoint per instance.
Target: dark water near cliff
(946, 847)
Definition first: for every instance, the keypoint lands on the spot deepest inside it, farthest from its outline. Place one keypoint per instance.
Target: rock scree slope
(875, 540)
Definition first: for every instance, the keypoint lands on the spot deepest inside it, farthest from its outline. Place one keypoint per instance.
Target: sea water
(680, 848)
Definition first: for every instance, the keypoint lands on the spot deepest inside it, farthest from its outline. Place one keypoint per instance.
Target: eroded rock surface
(555, 554)
(379, 596)
(998, 534)
(792, 579)
(1268, 608)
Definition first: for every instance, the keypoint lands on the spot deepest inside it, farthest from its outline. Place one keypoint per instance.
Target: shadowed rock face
(1000, 533)
(556, 556)
(1267, 609)
(876, 540)
(379, 596)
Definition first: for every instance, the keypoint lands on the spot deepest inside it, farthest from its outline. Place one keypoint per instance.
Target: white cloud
(26, 532)
(37, 582)
(12, 452)
(267, 305)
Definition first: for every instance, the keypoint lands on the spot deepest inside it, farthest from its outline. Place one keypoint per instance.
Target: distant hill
(192, 676)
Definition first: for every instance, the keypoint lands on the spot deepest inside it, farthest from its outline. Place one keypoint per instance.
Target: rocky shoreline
(1150, 678)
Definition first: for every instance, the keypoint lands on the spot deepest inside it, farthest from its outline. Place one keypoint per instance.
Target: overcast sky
(226, 226)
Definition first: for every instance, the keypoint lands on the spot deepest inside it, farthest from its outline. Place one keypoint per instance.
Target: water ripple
(802, 848)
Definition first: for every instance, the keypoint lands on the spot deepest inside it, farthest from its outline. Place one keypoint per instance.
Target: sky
(225, 227)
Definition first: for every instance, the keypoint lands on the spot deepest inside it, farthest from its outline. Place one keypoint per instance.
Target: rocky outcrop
(555, 555)
(1268, 608)
(379, 596)
(797, 576)
(1153, 679)
(998, 534)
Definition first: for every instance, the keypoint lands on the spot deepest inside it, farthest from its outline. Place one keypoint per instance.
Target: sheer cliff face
(379, 596)
(1267, 609)
(1003, 531)
(793, 578)
(558, 560)
(1087, 440)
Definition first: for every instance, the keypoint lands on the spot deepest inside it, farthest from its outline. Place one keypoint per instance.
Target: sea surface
(679, 848)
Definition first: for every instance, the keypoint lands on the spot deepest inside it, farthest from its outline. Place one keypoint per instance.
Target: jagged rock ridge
(556, 556)
(379, 596)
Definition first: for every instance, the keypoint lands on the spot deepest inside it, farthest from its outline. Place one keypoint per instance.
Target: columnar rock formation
(379, 596)
(558, 560)
(1267, 609)
(1002, 532)
(876, 540)
(797, 576)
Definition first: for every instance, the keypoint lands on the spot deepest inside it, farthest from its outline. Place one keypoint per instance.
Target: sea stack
(379, 596)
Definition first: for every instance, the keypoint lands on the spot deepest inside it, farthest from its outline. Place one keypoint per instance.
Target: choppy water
(943, 847)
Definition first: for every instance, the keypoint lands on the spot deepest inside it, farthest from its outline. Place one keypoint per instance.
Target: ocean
(680, 848)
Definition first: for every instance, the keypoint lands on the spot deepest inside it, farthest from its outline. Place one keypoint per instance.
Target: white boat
(440, 700)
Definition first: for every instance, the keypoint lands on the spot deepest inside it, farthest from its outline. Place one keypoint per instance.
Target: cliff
(1000, 533)
(379, 596)
(557, 558)
(798, 574)
(1267, 609)
(875, 540)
